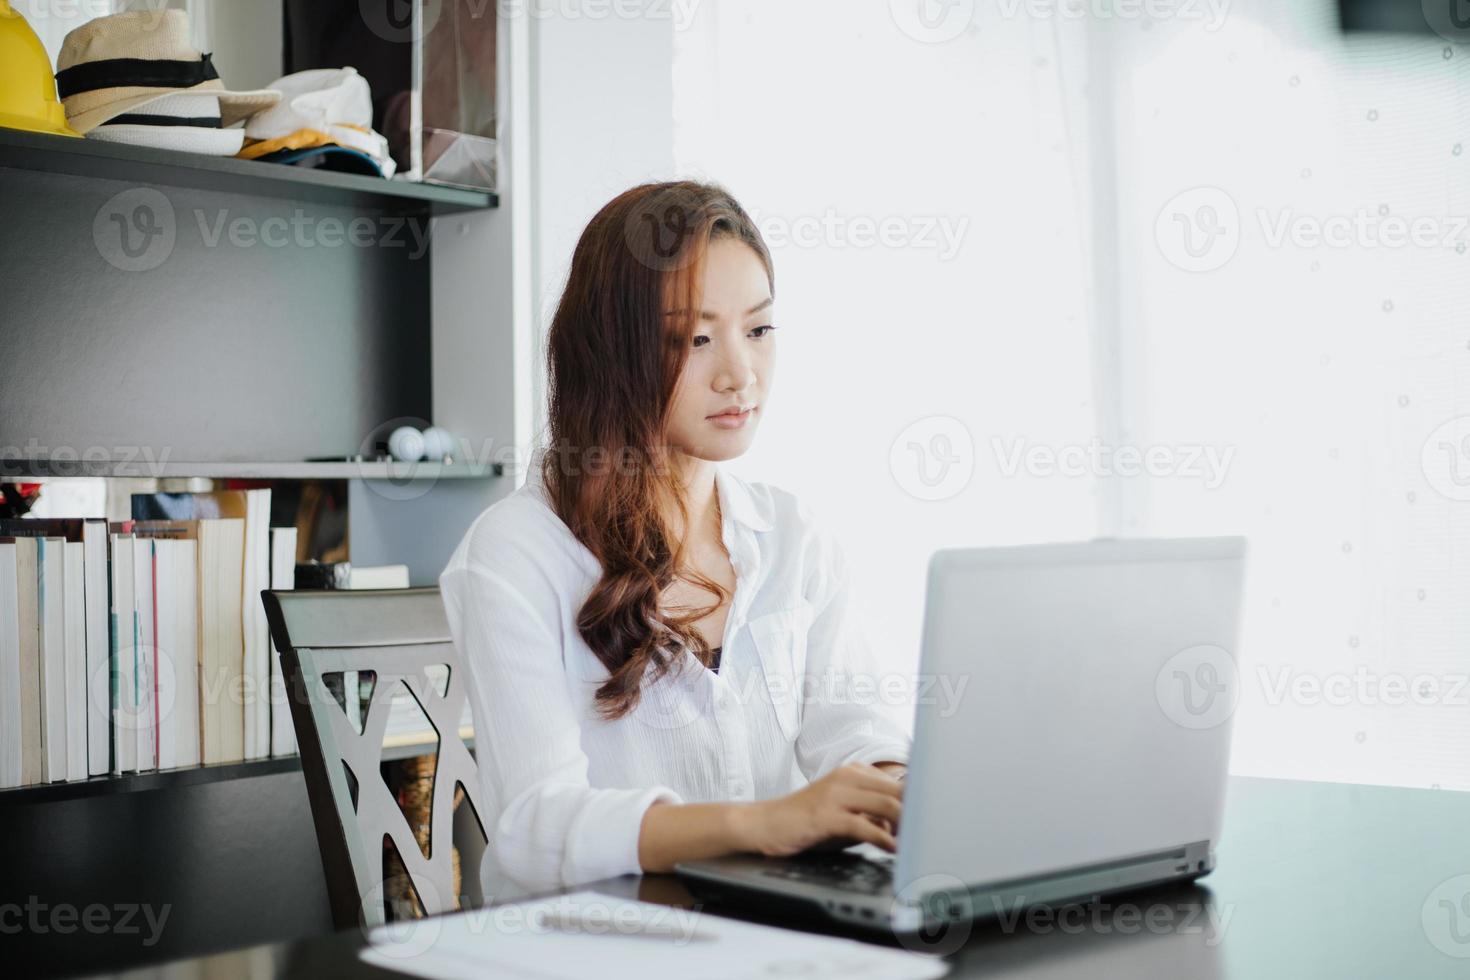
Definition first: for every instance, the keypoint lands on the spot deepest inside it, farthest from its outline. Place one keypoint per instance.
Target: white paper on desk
(510, 941)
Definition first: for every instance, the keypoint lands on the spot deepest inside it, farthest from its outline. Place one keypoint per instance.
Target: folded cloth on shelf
(319, 108)
(340, 159)
(120, 64)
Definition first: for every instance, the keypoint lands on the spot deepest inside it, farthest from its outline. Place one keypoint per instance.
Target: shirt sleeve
(858, 707)
(551, 828)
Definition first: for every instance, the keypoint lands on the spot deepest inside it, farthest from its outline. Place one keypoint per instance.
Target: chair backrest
(402, 636)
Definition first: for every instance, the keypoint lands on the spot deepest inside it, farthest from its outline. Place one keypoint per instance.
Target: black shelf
(12, 468)
(141, 782)
(22, 150)
(137, 782)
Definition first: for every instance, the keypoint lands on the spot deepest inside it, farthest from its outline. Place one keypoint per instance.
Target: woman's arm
(550, 827)
(854, 803)
(685, 831)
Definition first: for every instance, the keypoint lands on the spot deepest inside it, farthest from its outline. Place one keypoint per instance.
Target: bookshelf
(250, 362)
(139, 782)
(19, 469)
(395, 748)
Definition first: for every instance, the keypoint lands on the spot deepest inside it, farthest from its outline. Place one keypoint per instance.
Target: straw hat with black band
(114, 65)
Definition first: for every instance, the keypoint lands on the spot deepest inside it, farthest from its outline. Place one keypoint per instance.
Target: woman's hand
(894, 769)
(853, 804)
(898, 770)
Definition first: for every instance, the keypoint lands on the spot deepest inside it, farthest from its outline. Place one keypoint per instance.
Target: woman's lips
(733, 421)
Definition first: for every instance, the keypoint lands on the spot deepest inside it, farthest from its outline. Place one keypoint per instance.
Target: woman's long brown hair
(616, 349)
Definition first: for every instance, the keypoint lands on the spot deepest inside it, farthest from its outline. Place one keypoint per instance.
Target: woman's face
(731, 360)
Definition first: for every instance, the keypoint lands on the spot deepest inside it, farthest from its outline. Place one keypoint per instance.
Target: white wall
(923, 203)
(243, 35)
(1324, 350)
(51, 20)
(1309, 392)
(602, 109)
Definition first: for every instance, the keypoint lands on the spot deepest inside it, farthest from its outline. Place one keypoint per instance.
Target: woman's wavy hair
(616, 349)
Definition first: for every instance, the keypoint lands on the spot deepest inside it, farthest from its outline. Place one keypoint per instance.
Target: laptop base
(751, 880)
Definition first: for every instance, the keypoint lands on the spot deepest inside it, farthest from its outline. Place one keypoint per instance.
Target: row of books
(137, 645)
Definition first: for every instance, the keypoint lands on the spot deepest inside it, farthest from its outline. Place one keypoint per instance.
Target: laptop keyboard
(869, 876)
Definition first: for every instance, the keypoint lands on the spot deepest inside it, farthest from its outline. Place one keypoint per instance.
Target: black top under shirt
(716, 665)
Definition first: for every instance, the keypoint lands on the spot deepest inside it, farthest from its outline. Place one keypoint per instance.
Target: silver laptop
(1083, 750)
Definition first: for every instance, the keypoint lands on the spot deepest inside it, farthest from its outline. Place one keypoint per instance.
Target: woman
(655, 648)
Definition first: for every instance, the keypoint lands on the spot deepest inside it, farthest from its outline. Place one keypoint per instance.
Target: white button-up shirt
(796, 694)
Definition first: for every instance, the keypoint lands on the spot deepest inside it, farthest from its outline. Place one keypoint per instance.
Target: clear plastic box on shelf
(431, 65)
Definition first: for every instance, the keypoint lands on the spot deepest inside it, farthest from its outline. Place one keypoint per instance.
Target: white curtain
(1319, 333)
(1136, 305)
(925, 203)
(52, 20)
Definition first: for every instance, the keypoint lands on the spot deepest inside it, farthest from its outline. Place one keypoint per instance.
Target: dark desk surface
(1314, 880)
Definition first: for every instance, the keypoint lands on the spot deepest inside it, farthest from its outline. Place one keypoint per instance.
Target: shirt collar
(739, 504)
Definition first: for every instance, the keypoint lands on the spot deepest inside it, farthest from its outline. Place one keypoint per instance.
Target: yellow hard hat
(27, 84)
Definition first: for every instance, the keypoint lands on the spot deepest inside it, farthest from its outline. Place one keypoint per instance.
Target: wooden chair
(402, 636)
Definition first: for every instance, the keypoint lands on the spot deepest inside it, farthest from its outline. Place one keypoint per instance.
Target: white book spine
(76, 662)
(209, 644)
(51, 564)
(262, 626)
(247, 630)
(124, 660)
(10, 744)
(186, 659)
(221, 557)
(235, 703)
(283, 578)
(98, 697)
(165, 650)
(27, 584)
(147, 652)
(256, 629)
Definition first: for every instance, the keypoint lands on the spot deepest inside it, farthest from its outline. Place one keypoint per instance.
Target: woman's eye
(702, 340)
